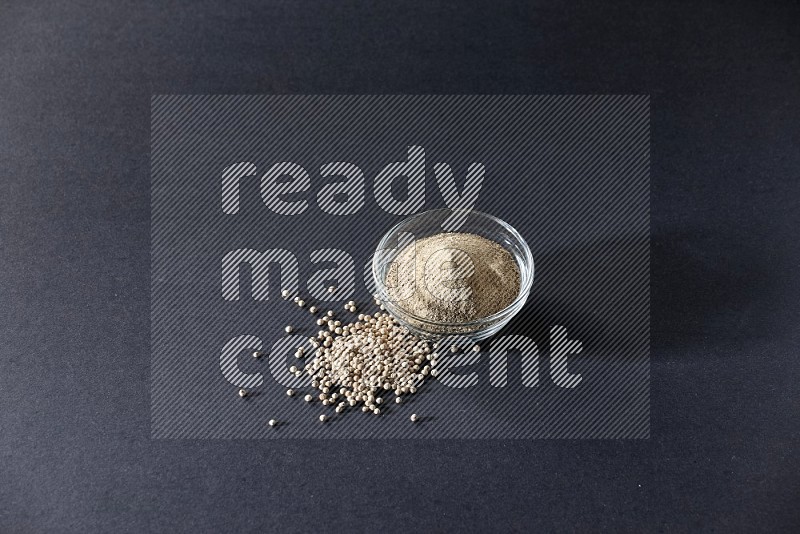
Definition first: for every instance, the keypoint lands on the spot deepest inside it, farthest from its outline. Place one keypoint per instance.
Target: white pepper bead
(301, 303)
(289, 329)
(330, 313)
(376, 411)
(414, 417)
(398, 400)
(242, 393)
(296, 300)
(454, 348)
(290, 392)
(313, 309)
(359, 359)
(293, 369)
(331, 289)
(323, 418)
(285, 293)
(256, 354)
(476, 348)
(308, 398)
(272, 422)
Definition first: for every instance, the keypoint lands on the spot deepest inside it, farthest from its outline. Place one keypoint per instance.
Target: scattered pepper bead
(354, 361)
(242, 393)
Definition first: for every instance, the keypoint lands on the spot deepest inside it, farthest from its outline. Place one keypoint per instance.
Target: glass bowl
(438, 221)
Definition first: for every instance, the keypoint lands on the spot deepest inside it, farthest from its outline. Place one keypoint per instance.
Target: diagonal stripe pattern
(254, 194)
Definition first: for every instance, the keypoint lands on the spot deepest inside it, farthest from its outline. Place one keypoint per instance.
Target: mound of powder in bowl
(453, 277)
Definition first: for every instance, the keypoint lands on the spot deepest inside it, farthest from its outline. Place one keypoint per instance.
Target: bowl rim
(524, 289)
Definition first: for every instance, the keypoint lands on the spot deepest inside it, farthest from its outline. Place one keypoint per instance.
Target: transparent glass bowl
(430, 223)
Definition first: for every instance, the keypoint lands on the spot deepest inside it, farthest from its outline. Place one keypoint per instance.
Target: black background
(75, 86)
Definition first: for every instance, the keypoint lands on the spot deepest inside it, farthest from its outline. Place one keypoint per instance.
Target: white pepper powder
(453, 277)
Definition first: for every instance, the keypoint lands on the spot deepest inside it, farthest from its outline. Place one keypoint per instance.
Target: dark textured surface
(75, 451)
(584, 214)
